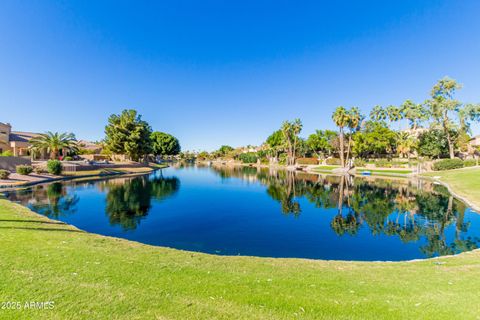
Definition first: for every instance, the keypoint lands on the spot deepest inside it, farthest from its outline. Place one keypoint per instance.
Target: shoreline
(474, 207)
(126, 173)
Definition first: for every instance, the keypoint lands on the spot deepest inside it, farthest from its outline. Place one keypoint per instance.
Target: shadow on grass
(42, 229)
(34, 221)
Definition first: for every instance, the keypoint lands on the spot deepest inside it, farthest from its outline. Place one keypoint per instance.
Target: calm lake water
(261, 212)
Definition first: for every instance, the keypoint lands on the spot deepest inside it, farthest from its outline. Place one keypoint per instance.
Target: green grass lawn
(384, 171)
(465, 182)
(325, 168)
(94, 277)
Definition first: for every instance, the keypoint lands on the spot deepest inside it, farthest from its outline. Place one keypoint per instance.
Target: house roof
(22, 136)
(89, 145)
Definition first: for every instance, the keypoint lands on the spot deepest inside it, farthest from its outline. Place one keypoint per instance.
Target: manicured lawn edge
(96, 277)
(463, 183)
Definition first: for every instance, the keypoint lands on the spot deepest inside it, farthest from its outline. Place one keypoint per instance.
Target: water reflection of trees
(411, 210)
(129, 200)
(52, 200)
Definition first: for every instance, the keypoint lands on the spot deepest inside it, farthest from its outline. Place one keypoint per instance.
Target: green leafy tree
(433, 143)
(164, 144)
(276, 143)
(341, 119)
(443, 106)
(470, 112)
(376, 139)
(224, 150)
(204, 155)
(128, 134)
(53, 143)
(321, 142)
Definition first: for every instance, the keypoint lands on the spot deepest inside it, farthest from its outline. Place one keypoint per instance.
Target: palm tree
(406, 143)
(53, 143)
(414, 113)
(355, 119)
(290, 132)
(378, 114)
(394, 113)
(341, 119)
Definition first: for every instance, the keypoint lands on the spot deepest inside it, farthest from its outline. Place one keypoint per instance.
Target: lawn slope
(94, 277)
(464, 182)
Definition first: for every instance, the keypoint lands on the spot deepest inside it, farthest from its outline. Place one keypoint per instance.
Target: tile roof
(22, 136)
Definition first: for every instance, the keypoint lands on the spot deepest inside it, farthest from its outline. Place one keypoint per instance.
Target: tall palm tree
(341, 119)
(394, 113)
(290, 132)
(53, 143)
(378, 114)
(414, 113)
(354, 121)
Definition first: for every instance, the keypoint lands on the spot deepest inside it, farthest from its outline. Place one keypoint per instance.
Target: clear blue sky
(226, 72)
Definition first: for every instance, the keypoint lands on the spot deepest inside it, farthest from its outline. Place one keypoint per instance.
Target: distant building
(15, 141)
(90, 147)
(475, 141)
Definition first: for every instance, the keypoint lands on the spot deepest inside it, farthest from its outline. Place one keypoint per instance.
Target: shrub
(447, 164)
(307, 161)
(54, 167)
(383, 163)
(4, 174)
(359, 162)
(470, 163)
(39, 170)
(24, 170)
(333, 161)
(249, 157)
(68, 158)
(7, 153)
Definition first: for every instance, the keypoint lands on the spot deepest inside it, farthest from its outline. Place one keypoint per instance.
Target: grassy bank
(95, 277)
(384, 172)
(325, 168)
(464, 182)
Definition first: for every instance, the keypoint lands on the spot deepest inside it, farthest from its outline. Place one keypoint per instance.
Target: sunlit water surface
(262, 212)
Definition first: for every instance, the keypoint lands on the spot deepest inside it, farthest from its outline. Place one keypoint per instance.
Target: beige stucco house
(15, 141)
(475, 141)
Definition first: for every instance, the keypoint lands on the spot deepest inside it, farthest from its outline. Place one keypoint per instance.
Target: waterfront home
(18, 142)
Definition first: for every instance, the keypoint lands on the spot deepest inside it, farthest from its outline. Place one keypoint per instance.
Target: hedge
(333, 161)
(470, 163)
(248, 157)
(4, 174)
(307, 161)
(24, 169)
(447, 164)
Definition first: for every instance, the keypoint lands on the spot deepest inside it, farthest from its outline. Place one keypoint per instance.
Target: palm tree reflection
(410, 210)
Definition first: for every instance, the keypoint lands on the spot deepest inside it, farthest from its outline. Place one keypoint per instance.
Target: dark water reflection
(251, 211)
